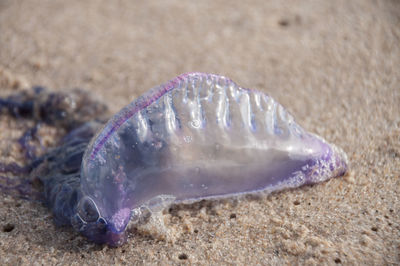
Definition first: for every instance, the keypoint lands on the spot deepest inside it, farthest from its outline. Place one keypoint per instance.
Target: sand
(335, 65)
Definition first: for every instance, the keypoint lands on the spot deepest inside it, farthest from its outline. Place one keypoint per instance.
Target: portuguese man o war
(198, 136)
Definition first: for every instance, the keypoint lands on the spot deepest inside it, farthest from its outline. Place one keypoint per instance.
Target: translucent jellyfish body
(198, 136)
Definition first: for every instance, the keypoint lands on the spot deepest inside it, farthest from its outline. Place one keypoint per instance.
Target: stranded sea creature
(199, 136)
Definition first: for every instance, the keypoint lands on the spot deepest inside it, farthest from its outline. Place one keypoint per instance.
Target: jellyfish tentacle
(19, 187)
(14, 168)
(26, 138)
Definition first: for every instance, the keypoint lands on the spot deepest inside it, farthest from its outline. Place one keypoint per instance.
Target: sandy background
(335, 65)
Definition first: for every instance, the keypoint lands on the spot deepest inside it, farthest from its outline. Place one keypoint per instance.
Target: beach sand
(335, 65)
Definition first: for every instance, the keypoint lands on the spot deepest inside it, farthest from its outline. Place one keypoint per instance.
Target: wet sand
(334, 65)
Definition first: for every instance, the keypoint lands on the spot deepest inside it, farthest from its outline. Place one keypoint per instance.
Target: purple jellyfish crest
(198, 136)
